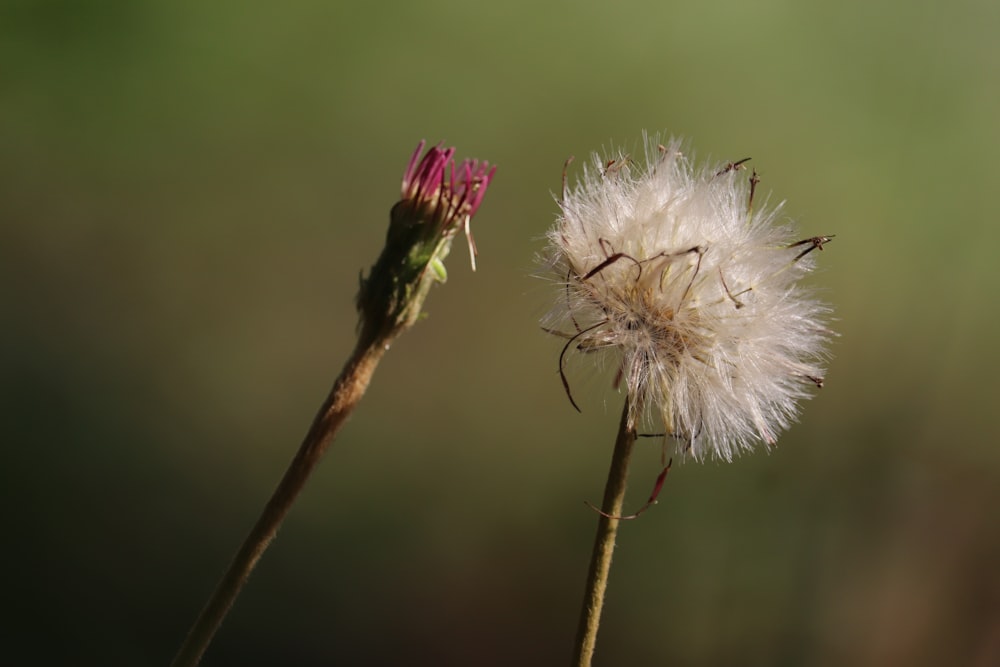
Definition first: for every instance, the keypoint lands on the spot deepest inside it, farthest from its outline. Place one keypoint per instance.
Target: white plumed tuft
(696, 291)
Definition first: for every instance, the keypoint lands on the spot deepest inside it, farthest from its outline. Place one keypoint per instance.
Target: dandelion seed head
(693, 286)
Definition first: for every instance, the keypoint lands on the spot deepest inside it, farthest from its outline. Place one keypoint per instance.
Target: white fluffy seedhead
(695, 291)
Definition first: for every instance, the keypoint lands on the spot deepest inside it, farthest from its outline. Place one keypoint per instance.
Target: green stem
(348, 389)
(604, 543)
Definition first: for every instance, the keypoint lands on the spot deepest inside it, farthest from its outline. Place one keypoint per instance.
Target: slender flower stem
(604, 543)
(438, 201)
(348, 389)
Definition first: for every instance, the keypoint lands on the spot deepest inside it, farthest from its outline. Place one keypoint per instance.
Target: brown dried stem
(604, 543)
(347, 391)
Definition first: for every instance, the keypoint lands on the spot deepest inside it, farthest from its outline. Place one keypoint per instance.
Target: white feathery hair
(696, 290)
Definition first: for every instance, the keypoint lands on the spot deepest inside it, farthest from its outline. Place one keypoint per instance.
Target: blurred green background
(189, 190)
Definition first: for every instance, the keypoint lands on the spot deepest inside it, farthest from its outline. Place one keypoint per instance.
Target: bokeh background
(189, 190)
